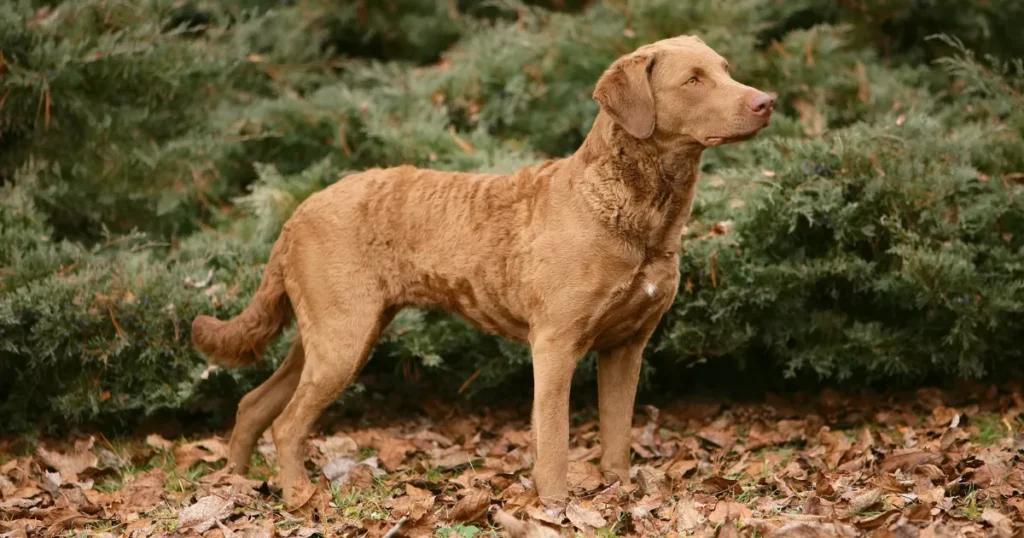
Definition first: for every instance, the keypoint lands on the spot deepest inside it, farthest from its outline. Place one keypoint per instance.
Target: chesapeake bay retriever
(573, 254)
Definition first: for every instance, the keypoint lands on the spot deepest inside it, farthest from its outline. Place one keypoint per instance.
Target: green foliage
(152, 150)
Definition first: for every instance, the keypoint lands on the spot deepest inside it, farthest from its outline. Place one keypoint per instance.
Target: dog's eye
(692, 81)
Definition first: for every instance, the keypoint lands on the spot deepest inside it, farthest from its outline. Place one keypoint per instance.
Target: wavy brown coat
(571, 255)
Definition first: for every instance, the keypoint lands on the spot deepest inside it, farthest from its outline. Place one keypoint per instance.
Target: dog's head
(680, 87)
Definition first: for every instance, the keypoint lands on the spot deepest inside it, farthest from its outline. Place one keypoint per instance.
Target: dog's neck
(641, 189)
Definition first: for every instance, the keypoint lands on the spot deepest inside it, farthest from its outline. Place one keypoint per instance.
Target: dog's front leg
(618, 371)
(554, 362)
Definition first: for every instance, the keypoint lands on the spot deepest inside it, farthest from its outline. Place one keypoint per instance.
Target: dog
(571, 255)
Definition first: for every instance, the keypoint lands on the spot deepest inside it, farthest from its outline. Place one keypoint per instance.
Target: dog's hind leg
(258, 409)
(339, 329)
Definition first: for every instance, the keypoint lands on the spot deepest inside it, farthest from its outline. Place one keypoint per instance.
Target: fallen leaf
(864, 500)
(649, 479)
(907, 461)
(552, 514)
(143, 492)
(57, 519)
(1002, 525)
(415, 492)
(393, 451)
(209, 450)
(337, 470)
(814, 530)
(156, 441)
(688, 518)
(584, 476)
(717, 484)
(51, 482)
(715, 436)
(878, 520)
(471, 507)
(337, 446)
(584, 519)
(523, 529)
(1018, 504)
(727, 530)
(205, 513)
(727, 510)
(6, 486)
(69, 465)
(409, 507)
(645, 506)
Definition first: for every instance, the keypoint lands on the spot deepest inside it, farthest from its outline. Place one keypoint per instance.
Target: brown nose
(761, 104)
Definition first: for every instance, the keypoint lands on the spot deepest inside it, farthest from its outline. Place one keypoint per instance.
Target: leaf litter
(918, 465)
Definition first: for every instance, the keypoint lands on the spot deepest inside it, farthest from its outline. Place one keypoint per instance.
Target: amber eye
(692, 81)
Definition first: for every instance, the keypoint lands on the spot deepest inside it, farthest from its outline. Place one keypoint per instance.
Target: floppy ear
(624, 92)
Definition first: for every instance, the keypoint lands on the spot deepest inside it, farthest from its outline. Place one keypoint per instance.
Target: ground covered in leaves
(922, 464)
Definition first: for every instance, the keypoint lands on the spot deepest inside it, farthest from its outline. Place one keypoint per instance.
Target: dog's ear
(624, 92)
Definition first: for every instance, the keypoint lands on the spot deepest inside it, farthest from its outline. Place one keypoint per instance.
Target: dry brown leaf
(361, 477)
(409, 507)
(515, 461)
(814, 530)
(429, 437)
(816, 506)
(337, 470)
(70, 464)
(584, 519)
(688, 518)
(878, 520)
(209, 450)
(727, 530)
(727, 510)
(865, 499)
(1018, 504)
(584, 476)
(204, 514)
(1001, 524)
(20, 528)
(472, 507)
(716, 436)
(415, 492)
(718, 484)
(908, 461)
(681, 468)
(6, 486)
(337, 446)
(57, 519)
(650, 480)
(74, 497)
(456, 457)
(645, 506)
(156, 441)
(470, 477)
(551, 514)
(523, 529)
(144, 492)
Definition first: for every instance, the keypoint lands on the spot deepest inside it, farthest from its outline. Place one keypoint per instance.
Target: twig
(394, 530)
(465, 384)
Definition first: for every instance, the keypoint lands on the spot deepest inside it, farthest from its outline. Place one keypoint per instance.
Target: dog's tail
(243, 339)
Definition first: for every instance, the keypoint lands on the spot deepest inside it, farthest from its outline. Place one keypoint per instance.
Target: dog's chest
(640, 303)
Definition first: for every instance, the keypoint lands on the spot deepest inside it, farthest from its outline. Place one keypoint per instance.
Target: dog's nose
(761, 104)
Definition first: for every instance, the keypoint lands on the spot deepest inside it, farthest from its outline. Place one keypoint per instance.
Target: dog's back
(434, 238)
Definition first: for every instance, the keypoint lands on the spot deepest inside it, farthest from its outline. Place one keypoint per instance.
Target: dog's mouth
(713, 141)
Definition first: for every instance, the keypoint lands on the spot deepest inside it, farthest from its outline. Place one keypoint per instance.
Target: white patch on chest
(650, 288)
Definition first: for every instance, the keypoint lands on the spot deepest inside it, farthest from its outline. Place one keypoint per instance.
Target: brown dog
(571, 255)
